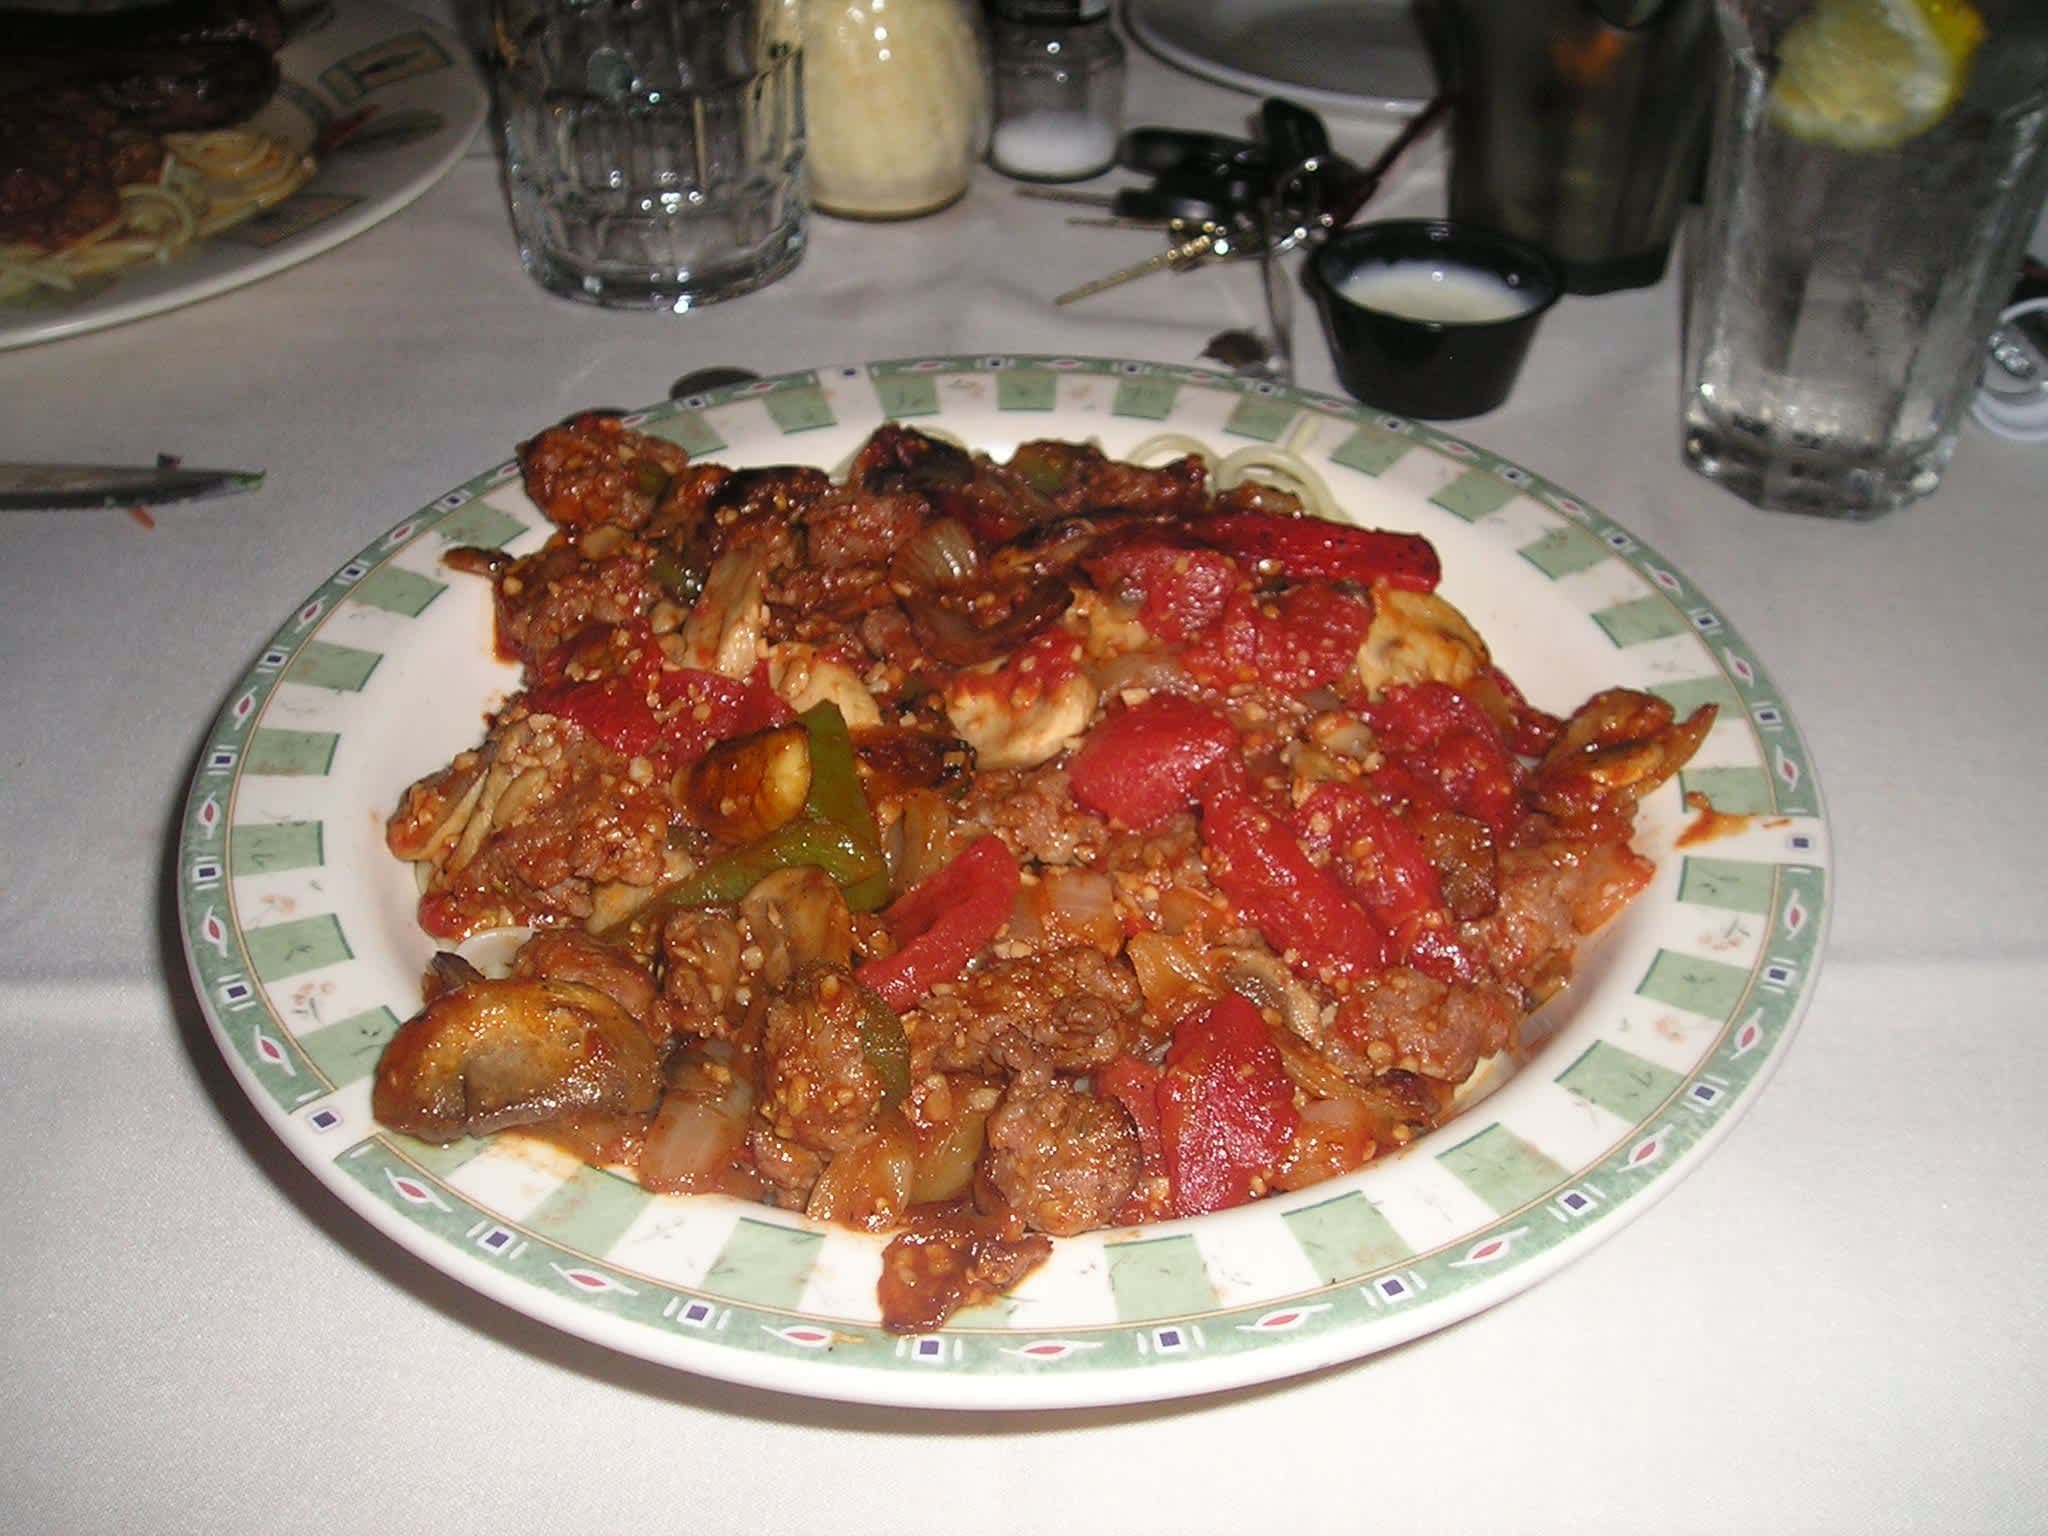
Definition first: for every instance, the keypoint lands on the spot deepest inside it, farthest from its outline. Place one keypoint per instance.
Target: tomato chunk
(1388, 871)
(642, 707)
(1226, 1108)
(1379, 854)
(943, 922)
(1298, 907)
(1180, 589)
(701, 709)
(1443, 753)
(1134, 1083)
(1143, 764)
(613, 709)
(1304, 638)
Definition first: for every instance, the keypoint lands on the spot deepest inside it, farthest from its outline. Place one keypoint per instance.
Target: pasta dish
(124, 137)
(167, 193)
(982, 852)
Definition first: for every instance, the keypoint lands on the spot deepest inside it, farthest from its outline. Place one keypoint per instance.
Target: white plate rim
(1156, 26)
(1761, 897)
(448, 84)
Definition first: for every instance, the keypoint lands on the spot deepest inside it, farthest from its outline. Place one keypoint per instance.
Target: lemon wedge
(1869, 74)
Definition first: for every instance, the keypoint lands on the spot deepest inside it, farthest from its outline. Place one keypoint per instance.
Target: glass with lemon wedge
(1876, 168)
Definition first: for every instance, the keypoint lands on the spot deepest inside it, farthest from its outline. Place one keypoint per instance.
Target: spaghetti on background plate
(167, 192)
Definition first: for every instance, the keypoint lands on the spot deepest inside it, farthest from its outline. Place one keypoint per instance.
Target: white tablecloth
(1835, 1324)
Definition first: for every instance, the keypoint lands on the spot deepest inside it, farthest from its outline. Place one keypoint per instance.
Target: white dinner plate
(1339, 55)
(418, 98)
(299, 927)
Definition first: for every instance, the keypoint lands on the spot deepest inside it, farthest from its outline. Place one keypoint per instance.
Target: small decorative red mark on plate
(1487, 1251)
(1283, 1320)
(1050, 1350)
(413, 1192)
(590, 1281)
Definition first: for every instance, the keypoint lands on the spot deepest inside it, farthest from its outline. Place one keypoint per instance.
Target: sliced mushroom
(750, 785)
(1417, 637)
(797, 916)
(492, 1054)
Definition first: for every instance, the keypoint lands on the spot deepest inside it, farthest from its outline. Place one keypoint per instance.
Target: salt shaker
(896, 97)
(1058, 70)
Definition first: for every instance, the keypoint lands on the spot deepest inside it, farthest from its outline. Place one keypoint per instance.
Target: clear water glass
(654, 148)
(1840, 299)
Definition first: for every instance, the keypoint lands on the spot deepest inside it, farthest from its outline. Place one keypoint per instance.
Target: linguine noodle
(210, 181)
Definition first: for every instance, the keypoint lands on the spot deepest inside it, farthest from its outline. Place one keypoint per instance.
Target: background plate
(420, 99)
(299, 929)
(1340, 55)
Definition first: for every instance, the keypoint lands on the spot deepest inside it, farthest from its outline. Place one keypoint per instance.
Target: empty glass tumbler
(1850, 265)
(654, 148)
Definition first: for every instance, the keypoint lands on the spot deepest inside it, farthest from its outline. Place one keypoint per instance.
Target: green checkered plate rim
(299, 930)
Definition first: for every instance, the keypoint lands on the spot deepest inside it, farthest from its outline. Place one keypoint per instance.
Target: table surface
(1828, 1326)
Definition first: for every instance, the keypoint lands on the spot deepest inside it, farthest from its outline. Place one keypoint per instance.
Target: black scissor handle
(1183, 152)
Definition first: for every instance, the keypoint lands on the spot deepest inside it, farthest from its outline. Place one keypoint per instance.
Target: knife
(26, 487)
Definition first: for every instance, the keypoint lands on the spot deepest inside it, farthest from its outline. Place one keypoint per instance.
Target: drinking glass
(653, 148)
(1579, 125)
(1840, 298)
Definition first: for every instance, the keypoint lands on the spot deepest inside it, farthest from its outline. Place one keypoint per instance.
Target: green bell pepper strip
(678, 580)
(883, 1045)
(835, 831)
(835, 797)
(806, 840)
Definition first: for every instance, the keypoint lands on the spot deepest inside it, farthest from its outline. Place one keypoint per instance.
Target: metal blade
(58, 486)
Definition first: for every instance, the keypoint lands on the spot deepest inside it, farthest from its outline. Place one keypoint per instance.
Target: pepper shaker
(1058, 70)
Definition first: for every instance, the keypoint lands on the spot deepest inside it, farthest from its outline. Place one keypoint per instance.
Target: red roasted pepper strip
(1303, 547)
(1226, 1107)
(943, 922)
(1298, 907)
